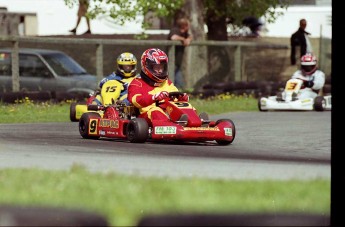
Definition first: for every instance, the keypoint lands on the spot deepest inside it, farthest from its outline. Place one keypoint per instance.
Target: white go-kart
(288, 100)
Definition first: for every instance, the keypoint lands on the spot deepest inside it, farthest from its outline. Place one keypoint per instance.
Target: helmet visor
(308, 68)
(127, 68)
(159, 70)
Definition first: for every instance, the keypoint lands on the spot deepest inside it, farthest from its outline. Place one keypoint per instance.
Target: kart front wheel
(85, 127)
(259, 104)
(227, 142)
(137, 130)
(319, 103)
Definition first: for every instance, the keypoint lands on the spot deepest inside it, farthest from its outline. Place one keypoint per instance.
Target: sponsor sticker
(228, 131)
(109, 123)
(305, 101)
(165, 130)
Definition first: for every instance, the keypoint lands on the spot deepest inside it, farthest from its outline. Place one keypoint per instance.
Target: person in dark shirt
(300, 38)
(180, 33)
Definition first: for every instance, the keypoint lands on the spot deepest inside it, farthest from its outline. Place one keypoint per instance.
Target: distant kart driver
(313, 79)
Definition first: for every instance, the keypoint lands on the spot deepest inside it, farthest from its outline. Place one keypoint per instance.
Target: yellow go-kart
(109, 94)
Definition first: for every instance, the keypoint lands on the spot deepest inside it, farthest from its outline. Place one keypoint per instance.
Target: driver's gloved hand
(160, 96)
(309, 83)
(184, 98)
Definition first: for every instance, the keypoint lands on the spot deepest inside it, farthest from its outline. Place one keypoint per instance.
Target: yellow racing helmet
(127, 64)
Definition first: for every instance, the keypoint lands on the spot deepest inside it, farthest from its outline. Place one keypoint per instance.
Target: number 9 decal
(93, 126)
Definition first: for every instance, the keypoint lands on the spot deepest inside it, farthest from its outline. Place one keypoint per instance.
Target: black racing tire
(319, 103)
(73, 112)
(227, 142)
(137, 130)
(84, 125)
(259, 105)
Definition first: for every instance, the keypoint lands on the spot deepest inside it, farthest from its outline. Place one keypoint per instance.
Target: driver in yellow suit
(125, 73)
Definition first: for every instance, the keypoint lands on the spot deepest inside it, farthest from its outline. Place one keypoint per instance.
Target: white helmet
(308, 64)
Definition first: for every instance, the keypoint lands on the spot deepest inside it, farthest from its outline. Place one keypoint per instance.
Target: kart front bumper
(222, 131)
(273, 104)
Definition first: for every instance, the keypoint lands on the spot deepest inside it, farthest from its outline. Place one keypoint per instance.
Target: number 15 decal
(111, 89)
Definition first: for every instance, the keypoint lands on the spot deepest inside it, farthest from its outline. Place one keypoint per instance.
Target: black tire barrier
(12, 97)
(41, 96)
(38, 96)
(11, 215)
(64, 96)
(235, 220)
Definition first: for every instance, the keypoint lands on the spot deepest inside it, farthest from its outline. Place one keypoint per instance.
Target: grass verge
(123, 200)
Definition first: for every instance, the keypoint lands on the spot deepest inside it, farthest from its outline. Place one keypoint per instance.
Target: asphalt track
(268, 145)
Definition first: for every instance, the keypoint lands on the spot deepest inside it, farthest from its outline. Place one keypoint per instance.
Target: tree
(218, 14)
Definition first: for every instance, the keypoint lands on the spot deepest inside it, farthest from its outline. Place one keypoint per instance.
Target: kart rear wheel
(137, 130)
(84, 126)
(319, 103)
(73, 112)
(227, 142)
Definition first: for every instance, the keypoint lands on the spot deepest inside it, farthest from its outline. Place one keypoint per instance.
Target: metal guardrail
(99, 43)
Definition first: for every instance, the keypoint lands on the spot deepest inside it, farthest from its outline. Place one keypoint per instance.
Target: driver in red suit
(153, 85)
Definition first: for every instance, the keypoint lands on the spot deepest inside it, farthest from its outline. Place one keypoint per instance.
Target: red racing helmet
(154, 63)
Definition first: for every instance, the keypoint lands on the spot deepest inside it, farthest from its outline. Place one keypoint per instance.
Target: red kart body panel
(165, 130)
(103, 127)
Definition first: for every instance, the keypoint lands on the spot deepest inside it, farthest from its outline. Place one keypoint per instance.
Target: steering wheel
(175, 94)
(172, 96)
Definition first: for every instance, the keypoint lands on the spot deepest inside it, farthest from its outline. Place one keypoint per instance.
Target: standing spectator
(180, 33)
(82, 10)
(300, 38)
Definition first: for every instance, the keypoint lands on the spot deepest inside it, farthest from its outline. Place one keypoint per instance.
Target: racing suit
(140, 94)
(316, 82)
(124, 80)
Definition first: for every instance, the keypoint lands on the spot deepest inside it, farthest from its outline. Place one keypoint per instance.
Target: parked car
(46, 70)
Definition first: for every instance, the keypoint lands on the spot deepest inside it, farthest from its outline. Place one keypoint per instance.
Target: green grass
(27, 111)
(123, 200)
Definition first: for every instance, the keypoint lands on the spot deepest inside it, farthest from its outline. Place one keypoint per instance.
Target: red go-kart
(184, 125)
